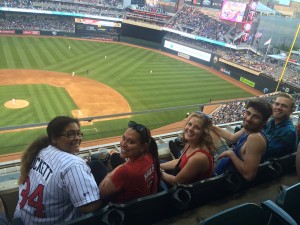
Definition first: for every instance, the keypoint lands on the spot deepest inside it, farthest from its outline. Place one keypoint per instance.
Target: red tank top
(204, 175)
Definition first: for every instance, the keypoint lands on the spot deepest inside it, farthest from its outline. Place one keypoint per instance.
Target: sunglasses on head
(141, 129)
(206, 116)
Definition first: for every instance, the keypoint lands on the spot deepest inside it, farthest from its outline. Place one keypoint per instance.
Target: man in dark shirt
(280, 128)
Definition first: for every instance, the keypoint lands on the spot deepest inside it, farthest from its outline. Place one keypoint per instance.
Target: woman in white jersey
(55, 184)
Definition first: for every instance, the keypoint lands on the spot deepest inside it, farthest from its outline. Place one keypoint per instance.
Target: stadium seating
(285, 163)
(250, 214)
(234, 182)
(205, 190)
(104, 216)
(279, 216)
(289, 200)
(149, 209)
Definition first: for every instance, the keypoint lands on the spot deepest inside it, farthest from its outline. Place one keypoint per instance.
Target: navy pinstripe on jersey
(58, 183)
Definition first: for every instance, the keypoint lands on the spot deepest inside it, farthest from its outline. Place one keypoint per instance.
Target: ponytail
(30, 154)
(153, 150)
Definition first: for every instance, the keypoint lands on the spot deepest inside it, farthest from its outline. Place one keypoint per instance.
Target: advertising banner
(7, 31)
(31, 32)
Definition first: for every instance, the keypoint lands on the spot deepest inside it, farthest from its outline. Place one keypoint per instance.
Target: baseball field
(44, 77)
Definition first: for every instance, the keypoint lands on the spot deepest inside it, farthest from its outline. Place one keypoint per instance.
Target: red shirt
(135, 179)
(201, 176)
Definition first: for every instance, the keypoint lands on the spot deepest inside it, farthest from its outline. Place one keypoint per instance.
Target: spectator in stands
(298, 162)
(139, 176)
(196, 162)
(55, 184)
(250, 142)
(280, 128)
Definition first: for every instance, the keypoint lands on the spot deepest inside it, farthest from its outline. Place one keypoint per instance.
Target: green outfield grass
(125, 69)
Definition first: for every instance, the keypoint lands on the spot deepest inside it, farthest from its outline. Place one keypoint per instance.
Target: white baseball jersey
(58, 183)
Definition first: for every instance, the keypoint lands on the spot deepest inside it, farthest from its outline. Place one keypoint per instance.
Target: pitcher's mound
(16, 104)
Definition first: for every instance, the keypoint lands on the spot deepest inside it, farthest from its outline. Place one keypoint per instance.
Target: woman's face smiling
(193, 130)
(131, 145)
(69, 144)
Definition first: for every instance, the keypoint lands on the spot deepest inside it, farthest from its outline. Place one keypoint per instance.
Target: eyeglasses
(206, 116)
(72, 135)
(140, 129)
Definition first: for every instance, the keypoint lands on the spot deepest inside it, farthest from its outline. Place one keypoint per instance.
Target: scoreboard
(97, 27)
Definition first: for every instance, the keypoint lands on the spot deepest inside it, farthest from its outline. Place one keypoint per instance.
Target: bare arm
(107, 188)
(232, 138)
(170, 165)
(253, 148)
(90, 207)
(298, 161)
(197, 163)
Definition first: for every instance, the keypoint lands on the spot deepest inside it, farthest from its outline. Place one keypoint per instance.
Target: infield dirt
(94, 98)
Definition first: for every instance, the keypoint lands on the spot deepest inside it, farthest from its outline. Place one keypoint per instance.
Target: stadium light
(288, 57)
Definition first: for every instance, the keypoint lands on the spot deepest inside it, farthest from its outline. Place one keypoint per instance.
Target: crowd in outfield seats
(245, 58)
(92, 7)
(37, 22)
(233, 111)
(203, 22)
(193, 20)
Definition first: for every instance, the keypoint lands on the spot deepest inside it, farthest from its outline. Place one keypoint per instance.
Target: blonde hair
(206, 127)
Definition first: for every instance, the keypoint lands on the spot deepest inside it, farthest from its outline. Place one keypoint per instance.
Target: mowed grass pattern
(45, 103)
(124, 68)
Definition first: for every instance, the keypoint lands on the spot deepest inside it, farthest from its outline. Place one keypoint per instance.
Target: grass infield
(126, 69)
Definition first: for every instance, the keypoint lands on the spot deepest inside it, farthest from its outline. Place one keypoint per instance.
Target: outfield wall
(252, 78)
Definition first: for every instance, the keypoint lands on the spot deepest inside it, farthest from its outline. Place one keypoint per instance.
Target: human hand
(226, 153)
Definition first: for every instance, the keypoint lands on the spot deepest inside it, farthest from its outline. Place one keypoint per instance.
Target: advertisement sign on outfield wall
(259, 82)
(7, 31)
(248, 82)
(31, 32)
(187, 50)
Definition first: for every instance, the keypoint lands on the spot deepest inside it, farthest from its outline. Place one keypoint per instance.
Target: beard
(252, 127)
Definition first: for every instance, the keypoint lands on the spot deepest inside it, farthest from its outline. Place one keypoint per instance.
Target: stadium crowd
(193, 20)
(37, 22)
(92, 7)
(253, 60)
(233, 111)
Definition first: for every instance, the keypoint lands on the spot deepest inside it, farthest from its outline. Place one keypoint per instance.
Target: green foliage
(126, 69)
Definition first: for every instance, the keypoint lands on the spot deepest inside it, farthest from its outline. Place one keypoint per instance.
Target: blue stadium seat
(289, 200)
(250, 214)
(276, 215)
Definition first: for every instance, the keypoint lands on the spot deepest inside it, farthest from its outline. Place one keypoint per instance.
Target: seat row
(286, 211)
(170, 202)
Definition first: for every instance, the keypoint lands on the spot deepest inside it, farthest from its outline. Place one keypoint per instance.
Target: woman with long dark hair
(139, 175)
(55, 184)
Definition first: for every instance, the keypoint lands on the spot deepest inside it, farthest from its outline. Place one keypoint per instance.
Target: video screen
(233, 11)
(98, 22)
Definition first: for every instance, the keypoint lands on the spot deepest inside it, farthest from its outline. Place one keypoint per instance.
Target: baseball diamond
(117, 83)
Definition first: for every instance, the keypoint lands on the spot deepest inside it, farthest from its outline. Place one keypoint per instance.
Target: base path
(88, 103)
(91, 97)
